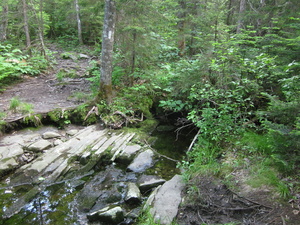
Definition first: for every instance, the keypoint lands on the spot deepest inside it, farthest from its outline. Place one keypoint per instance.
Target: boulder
(111, 215)
(165, 204)
(143, 161)
(148, 182)
(83, 56)
(127, 154)
(7, 165)
(50, 134)
(103, 190)
(57, 142)
(72, 132)
(133, 194)
(39, 146)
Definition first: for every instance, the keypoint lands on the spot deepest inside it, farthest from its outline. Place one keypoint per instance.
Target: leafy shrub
(13, 64)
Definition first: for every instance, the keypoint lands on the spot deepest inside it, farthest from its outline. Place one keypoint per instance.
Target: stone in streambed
(166, 201)
(127, 154)
(7, 165)
(148, 182)
(50, 134)
(72, 132)
(143, 161)
(39, 146)
(111, 215)
(133, 194)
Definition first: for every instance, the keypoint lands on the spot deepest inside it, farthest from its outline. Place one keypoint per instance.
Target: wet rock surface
(75, 176)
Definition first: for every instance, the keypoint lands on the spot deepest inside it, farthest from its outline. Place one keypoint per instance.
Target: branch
(180, 128)
(174, 160)
(193, 142)
(93, 110)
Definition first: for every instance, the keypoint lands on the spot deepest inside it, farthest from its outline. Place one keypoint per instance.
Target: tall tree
(78, 22)
(240, 22)
(26, 24)
(4, 21)
(182, 14)
(107, 51)
(38, 15)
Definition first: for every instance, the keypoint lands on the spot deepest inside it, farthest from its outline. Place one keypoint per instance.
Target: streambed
(90, 180)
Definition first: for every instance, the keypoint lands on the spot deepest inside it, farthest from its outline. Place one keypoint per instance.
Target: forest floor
(215, 204)
(46, 92)
(211, 202)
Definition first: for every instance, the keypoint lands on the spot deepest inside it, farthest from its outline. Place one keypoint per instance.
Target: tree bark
(240, 22)
(78, 22)
(40, 21)
(4, 21)
(181, 27)
(26, 25)
(107, 51)
(41, 29)
(230, 11)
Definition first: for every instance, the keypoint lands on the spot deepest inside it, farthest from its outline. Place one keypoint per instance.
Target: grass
(16, 105)
(146, 218)
(262, 174)
(251, 155)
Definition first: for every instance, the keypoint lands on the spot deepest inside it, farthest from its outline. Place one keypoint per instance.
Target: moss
(60, 117)
(105, 93)
(33, 119)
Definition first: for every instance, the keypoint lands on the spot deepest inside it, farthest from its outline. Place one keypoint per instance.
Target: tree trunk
(230, 12)
(41, 29)
(240, 22)
(40, 21)
(181, 27)
(78, 22)
(4, 21)
(107, 51)
(133, 55)
(26, 25)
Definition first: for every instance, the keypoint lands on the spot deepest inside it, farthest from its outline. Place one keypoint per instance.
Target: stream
(86, 177)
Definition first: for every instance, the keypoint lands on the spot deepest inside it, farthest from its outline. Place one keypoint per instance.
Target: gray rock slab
(72, 132)
(129, 152)
(133, 194)
(167, 199)
(120, 145)
(111, 215)
(83, 56)
(147, 182)
(40, 145)
(11, 151)
(50, 134)
(57, 142)
(7, 164)
(143, 161)
(12, 146)
(151, 197)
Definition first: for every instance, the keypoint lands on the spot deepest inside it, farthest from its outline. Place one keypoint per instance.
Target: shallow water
(58, 203)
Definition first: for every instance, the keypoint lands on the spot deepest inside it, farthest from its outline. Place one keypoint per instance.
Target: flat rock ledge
(112, 196)
(113, 215)
(165, 200)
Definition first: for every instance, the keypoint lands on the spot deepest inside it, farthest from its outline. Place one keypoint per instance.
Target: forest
(228, 69)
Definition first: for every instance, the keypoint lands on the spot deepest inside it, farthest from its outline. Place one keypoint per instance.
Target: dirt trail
(45, 92)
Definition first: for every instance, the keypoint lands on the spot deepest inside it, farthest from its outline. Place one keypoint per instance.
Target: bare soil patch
(45, 92)
(211, 202)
